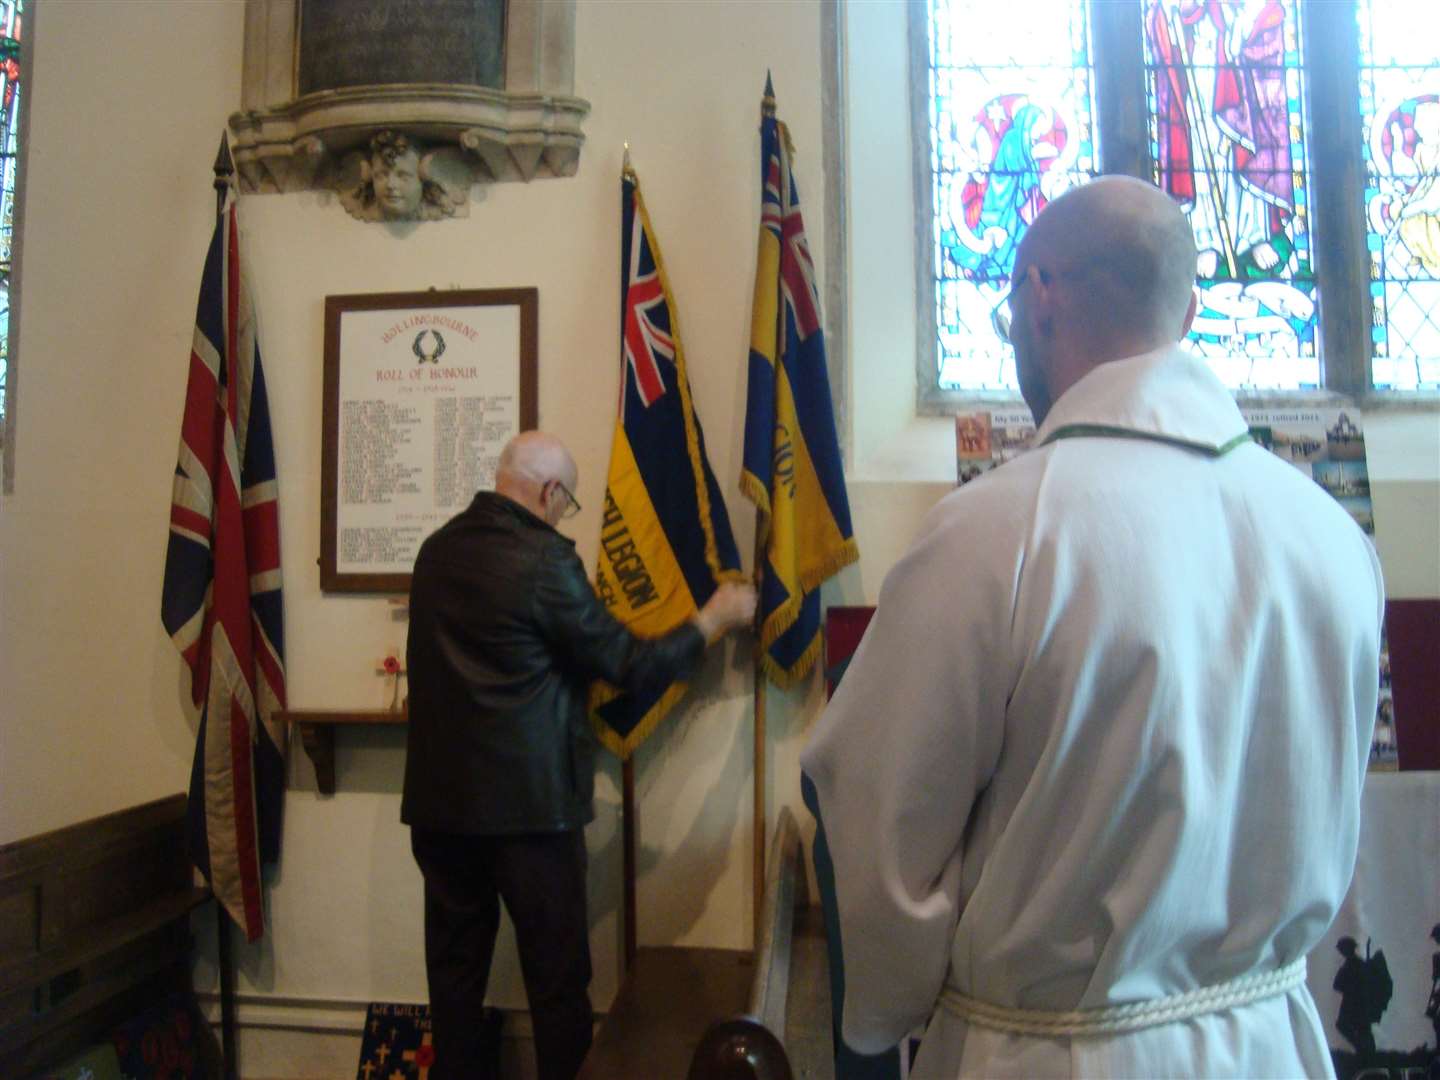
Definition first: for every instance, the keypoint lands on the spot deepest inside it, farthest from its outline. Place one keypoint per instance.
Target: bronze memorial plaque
(344, 43)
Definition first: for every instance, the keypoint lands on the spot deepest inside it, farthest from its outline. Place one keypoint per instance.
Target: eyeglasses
(572, 505)
(1000, 313)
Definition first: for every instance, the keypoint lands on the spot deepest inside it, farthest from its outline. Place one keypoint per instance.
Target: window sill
(946, 403)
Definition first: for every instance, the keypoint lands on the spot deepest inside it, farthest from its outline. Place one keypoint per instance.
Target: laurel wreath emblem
(431, 356)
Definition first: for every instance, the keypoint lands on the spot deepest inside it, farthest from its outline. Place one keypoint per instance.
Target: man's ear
(1190, 312)
(1042, 298)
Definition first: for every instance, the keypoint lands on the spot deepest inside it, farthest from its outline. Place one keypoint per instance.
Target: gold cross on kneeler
(422, 1058)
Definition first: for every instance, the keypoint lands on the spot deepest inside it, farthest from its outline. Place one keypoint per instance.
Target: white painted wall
(118, 214)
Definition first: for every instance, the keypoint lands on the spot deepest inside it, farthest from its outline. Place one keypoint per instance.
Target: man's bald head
(539, 456)
(1116, 259)
(530, 465)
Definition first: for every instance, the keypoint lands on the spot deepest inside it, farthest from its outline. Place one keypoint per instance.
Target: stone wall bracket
(459, 134)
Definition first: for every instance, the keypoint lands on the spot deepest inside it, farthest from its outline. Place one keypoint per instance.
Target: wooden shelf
(317, 734)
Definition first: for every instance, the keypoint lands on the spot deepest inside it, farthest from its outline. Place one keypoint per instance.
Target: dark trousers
(541, 879)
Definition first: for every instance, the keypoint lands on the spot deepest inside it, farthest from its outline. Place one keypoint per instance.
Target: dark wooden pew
(94, 928)
(709, 1014)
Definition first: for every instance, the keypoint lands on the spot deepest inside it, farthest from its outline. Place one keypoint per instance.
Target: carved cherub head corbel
(395, 181)
(397, 178)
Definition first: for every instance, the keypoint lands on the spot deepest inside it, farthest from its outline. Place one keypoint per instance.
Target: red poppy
(392, 665)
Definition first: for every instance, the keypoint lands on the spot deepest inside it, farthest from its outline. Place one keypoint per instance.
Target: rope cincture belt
(1114, 1019)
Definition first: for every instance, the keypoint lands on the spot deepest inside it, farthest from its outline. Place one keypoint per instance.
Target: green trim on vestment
(1081, 431)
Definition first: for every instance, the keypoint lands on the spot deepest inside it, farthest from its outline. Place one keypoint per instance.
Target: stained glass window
(10, 19)
(1227, 142)
(1400, 109)
(1010, 129)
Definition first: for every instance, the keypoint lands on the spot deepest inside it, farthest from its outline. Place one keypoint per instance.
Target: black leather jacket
(506, 635)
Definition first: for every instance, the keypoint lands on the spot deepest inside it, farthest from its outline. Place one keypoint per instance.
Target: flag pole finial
(626, 167)
(224, 171)
(767, 104)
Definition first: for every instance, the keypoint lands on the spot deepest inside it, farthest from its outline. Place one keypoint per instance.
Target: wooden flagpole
(627, 826)
(758, 901)
(758, 841)
(767, 108)
(627, 798)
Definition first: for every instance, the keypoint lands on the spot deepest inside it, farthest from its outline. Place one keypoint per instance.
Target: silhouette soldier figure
(1364, 986)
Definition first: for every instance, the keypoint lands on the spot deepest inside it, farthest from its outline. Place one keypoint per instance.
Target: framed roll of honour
(422, 390)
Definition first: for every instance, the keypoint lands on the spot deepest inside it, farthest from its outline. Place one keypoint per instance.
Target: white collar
(1167, 393)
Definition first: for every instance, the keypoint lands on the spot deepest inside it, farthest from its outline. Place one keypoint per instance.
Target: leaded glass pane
(1227, 140)
(10, 19)
(1010, 129)
(1400, 109)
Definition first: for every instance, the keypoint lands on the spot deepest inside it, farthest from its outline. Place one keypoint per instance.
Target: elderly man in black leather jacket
(506, 635)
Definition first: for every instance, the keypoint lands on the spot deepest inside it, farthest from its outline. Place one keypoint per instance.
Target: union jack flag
(221, 603)
(780, 215)
(644, 339)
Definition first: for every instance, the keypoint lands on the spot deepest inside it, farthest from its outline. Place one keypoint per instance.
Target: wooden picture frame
(410, 437)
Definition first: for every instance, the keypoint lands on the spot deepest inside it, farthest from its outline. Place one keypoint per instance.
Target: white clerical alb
(1100, 752)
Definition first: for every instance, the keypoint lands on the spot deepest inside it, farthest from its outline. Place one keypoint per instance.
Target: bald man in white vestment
(1091, 784)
